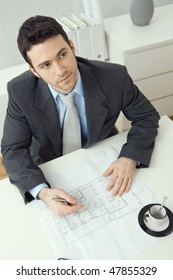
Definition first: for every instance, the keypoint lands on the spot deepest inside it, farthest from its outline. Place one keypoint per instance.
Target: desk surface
(22, 236)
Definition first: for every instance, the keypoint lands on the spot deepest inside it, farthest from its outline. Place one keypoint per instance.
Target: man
(33, 127)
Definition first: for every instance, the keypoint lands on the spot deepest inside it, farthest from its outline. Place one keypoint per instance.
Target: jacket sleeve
(15, 147)
(144, 123)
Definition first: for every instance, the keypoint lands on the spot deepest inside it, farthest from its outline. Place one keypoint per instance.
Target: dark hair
(36, 30)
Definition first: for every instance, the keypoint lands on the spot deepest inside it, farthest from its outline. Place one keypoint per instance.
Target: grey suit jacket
(32, 133)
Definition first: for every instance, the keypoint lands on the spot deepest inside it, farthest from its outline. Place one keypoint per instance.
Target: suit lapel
(48, 118)
(96, 111)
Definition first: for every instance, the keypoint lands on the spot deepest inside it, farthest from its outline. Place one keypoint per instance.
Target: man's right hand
(59, 208)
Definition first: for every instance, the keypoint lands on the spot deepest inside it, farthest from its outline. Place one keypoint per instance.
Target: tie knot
(68, 99)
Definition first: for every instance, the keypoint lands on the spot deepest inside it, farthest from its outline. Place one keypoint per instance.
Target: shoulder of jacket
(23, 77)
(100, 65)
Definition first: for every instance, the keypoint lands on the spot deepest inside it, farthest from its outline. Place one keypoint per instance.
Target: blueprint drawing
(100, 208)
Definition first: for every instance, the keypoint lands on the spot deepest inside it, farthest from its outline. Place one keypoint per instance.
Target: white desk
(22, 236)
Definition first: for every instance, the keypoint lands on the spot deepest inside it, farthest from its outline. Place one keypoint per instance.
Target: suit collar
(96, 110)
(48, 117)
(42, 94)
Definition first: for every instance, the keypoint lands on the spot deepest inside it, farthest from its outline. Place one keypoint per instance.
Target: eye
(46, 65)
(63, 54)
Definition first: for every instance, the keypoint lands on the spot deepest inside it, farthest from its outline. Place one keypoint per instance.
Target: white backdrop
(13, 13)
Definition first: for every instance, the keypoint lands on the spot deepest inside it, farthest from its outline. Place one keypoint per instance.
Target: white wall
(13, 13)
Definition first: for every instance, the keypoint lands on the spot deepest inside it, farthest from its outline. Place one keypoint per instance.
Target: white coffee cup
(156, 215)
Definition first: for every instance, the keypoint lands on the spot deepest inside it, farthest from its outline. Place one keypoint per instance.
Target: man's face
(54, 61)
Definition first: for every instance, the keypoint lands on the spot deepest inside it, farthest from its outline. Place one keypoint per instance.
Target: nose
(58, 68)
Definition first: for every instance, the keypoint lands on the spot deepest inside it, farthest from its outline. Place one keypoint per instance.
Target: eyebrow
(47, 61)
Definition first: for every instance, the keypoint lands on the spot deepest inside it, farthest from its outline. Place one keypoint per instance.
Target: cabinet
(147, 52)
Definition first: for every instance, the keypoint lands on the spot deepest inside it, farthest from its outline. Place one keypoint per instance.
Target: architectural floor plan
(106, 227)
(100, 208)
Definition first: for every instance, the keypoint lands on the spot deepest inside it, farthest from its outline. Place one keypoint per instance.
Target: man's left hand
(121, 172)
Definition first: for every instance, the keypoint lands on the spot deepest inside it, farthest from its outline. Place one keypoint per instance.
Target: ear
(33, 71)
(72, 47)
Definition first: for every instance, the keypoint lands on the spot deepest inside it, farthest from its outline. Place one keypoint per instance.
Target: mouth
(64, 78)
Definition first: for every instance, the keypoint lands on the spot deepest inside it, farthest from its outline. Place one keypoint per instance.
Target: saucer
(163, 230)
(157, 228)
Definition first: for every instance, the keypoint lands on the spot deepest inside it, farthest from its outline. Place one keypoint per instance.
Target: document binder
(70, 33)
(87, 34)
(68, 22)
(81, 24)
(97, 37)
(82, 35)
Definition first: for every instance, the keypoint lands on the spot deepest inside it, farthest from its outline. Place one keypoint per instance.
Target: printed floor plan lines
(107, 227)
(100, 208)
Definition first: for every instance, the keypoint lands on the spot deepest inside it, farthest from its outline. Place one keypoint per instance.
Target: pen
(60, 199)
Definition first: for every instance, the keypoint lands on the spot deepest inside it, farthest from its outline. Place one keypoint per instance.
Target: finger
(123, 187)
(129, 184)
(76, 207)
(108, 171)
(118, 187)
(68, 209)
(130, 181)
(69, 198)
(111, 182)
